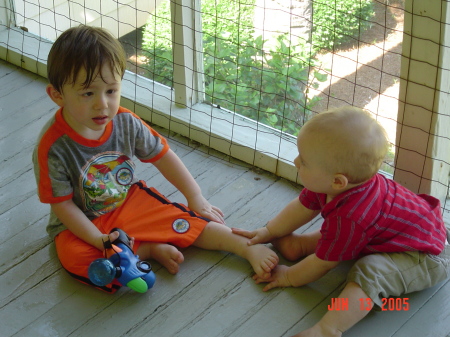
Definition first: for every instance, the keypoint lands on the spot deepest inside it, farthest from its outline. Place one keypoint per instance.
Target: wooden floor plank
(432, 315)
(17, 91)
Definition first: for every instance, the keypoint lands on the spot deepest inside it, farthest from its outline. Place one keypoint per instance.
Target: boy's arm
(79, 224)
(291, 217)
(173, 169)
(307, 270)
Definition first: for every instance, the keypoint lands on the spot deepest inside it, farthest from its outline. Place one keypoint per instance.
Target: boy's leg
(157, 225)
(295, 246)
(334, 322)
(216, 236)
(76, 255)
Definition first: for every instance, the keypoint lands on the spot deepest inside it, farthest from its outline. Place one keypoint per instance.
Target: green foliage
(157, 43)
(243, 73)
(337, 22)
(267, 86)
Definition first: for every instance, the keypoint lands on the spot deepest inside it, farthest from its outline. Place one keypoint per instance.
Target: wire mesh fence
(271, 65)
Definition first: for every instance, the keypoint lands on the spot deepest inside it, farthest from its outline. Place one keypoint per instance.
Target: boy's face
(89, 110)
(311, 171)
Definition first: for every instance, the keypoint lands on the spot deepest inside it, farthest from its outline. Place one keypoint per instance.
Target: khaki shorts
(393, 274)
(145, 215)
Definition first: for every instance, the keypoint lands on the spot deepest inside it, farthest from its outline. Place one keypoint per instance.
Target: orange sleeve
(43, 180)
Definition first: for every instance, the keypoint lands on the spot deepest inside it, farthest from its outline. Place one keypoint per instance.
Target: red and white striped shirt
(377, 216)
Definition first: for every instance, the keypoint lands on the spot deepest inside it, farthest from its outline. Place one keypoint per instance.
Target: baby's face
(89, 110)
(310, 166)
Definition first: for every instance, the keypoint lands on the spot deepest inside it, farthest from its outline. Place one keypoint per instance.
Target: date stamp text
(388, 304)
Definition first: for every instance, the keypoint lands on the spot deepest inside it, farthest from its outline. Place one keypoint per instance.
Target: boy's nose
(101, 102)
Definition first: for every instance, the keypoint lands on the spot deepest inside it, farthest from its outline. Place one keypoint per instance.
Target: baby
(366, 216)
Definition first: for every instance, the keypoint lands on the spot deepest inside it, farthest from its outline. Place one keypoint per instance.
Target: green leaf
(320, 76)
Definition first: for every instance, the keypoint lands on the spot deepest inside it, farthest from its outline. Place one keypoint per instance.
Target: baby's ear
(340, 182)
(55, 95)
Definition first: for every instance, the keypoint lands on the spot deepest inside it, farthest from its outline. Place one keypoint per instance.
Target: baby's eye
(111, 91)
(87, 94)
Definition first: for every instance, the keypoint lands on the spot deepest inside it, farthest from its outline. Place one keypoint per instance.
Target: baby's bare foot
(169, 256)
(291, 247)
(319, 331)
(262, 259)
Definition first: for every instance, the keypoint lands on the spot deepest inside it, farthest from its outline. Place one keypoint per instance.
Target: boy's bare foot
(167, 255)
(216, 236)
(262, 258)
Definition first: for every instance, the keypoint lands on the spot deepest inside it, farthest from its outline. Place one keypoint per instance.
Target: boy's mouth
(100, 120)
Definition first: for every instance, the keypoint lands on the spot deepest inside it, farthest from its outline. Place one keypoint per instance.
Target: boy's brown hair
(87, 48)
(353, 143)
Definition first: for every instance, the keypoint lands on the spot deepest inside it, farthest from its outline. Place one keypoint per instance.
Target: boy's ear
(55, 95)
(340, 182)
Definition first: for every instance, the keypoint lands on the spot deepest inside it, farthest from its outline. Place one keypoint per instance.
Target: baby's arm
(173, 169)
(291, 217)
(77, 222)
(307, 270)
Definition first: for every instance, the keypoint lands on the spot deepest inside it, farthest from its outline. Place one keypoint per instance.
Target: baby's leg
(295, 246)
(334, 322)
(216, 236)
(169, 256)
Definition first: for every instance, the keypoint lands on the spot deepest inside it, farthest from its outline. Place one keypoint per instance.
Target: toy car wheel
(144, 266)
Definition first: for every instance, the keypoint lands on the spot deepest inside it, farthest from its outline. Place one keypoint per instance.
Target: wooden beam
(187, 48)
(423, 129)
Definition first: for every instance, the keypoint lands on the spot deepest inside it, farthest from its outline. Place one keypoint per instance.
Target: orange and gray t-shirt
(96, 174)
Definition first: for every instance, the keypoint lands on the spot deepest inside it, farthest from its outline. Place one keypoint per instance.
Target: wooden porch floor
(212, 295)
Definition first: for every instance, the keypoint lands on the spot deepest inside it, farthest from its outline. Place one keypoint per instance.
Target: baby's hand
(278, 278)
(260, 235)
(200, 205)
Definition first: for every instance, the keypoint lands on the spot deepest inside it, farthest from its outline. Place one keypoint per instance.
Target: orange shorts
(145, 215)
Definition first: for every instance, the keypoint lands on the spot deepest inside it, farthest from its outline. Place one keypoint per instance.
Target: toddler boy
(84, 169)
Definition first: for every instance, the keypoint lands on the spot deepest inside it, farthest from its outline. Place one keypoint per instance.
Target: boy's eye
(111, 91)
(87, 94)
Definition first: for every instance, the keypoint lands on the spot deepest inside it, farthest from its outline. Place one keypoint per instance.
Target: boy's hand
(200, 205)
(279, 278)
(104, 238)
(113, 237)
(260, 235)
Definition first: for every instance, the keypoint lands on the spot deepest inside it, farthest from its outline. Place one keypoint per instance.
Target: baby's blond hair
(350, 142)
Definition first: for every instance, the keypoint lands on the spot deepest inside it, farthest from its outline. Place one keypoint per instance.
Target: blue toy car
(121, 263)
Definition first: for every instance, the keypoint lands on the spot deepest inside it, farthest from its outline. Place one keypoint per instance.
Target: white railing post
(423, 129)
(186, 39)
(6, 15)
